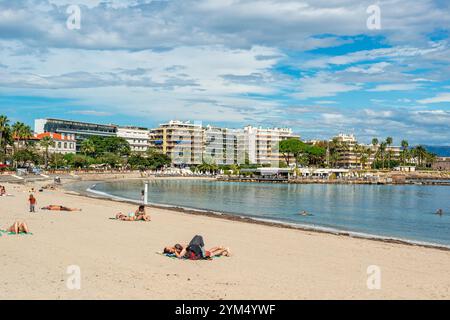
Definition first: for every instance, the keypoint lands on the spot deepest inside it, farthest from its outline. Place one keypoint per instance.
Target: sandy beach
(119, 260)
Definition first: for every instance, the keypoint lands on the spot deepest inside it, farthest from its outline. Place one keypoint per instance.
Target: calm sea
(395, 211)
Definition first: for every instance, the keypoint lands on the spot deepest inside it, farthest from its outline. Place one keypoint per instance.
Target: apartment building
(223, 146)
(138, 138)
(347, 151)
(182, 141)
(262, 144)
(189, 144)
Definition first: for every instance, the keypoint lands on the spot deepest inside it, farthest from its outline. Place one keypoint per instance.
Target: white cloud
(394, 87)
(322, 85)
(442, 97)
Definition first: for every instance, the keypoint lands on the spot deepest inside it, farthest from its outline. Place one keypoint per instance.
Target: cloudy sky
(312, 65)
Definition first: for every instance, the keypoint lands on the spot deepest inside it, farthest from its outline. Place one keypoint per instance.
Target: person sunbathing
(54, 207)
(124, 217)
(18, 227)
(182, 253)
(139, 214)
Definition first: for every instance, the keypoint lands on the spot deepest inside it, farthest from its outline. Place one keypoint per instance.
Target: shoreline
(93, 194)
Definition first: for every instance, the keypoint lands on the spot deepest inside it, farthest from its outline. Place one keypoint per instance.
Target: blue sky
(310, 65)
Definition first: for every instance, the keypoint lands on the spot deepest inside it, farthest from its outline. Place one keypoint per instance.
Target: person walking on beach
(32, 201)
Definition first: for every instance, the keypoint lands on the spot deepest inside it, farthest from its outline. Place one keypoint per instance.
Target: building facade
(223, 146)
(262, 144)
(191, 144)
(63, 143)
(138, 138)
(441, 163)
(346, 145)
(81, 130)
(181, 141)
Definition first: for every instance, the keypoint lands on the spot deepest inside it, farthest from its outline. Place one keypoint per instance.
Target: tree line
(332, 153)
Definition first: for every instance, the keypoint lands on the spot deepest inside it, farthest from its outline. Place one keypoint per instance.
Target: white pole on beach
(146, 193)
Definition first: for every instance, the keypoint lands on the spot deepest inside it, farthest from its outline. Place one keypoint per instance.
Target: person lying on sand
(139, 214)
(18, 227)
(180, 252)
(195, 250)
(54, 207)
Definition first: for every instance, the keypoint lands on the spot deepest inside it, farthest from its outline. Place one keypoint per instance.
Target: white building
(262, 144)
(223, 146)
(62, 143)
(138, 138)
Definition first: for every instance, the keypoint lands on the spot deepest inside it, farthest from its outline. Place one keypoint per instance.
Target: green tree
(25, 156)
(389, 142)
(404, 153)
(46, 143)
(420, 153)
(116, 145)
(4, 130)
(88, 147)
(291, 147)
(20, 132)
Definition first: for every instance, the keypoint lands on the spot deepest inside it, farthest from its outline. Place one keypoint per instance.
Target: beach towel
(173, 256)
(114, 218)
(12, 233)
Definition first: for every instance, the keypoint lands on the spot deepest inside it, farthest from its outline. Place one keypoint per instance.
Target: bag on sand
(195, 249)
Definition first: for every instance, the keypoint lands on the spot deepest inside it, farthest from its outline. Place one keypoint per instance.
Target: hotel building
(81, 130)
(181, 141)
(138, 138)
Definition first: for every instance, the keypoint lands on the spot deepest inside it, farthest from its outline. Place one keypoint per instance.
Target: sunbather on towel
(124, 217)
(140, 214)
(180, 252)
(54, 207)
(18, 227)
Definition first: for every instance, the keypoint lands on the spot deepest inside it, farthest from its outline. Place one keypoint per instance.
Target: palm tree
(4, 126)
(405, 145)
(87, 147)
(47, 142)
(20, 131)
(420, 152)
(374, 142)
(389, 141)
(382, 153)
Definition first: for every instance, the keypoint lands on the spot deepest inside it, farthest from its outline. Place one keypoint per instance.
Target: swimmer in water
(305, 213)
(440, 212)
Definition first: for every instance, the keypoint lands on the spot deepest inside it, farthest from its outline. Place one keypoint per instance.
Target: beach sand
(118, 260)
